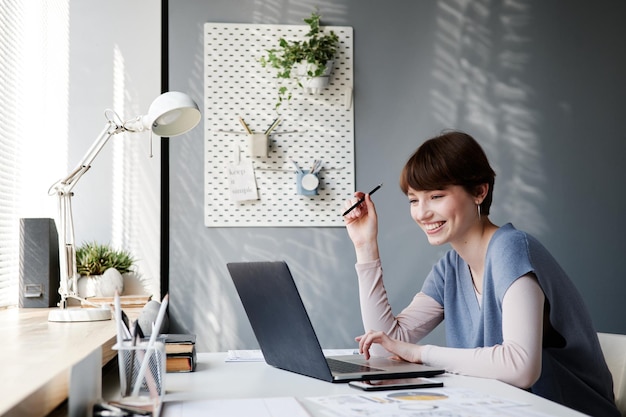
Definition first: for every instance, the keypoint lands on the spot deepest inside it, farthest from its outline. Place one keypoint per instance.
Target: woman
(511, 312)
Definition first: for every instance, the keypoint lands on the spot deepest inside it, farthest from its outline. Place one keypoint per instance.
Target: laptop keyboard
(348, 367)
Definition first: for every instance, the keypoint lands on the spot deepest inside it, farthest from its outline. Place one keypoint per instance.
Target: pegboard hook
(236, 153)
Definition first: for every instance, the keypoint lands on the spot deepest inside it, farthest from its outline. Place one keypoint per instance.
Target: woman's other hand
(402, 350)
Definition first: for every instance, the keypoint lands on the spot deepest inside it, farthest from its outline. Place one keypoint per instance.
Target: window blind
(33, 81)
(11, 31)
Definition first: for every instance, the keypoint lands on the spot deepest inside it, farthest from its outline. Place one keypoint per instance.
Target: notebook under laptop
(286, 337)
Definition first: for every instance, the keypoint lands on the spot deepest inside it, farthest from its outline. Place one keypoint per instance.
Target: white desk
(217, 379)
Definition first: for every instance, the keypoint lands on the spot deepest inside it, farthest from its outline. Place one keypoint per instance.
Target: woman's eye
(413, 201)
(436, 196)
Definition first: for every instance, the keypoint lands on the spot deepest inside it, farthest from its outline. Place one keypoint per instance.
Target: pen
(150, 348)
(272, 126)
(120, 339)
(296, 166)
(314, 166)
(362, 199)
(245, 126)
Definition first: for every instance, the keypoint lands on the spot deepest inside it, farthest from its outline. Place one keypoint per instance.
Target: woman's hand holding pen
(362, 226)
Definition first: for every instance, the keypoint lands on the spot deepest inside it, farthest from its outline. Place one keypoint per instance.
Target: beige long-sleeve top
(516, 361)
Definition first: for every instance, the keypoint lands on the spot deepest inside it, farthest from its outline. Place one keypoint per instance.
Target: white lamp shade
(171, 114)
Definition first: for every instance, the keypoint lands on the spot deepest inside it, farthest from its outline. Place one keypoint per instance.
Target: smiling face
(450, 160)
(445, 216)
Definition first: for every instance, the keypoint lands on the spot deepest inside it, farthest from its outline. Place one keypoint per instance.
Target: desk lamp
(171, 114)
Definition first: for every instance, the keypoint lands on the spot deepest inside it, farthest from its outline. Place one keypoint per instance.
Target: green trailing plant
(316, 49)
(93, 259)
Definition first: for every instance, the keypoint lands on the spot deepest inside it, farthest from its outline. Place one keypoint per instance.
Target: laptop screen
(278, 317)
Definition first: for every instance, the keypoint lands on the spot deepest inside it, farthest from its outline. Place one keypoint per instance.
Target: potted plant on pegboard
(308, 62)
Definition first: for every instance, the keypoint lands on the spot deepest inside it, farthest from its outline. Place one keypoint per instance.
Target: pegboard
(313, 127)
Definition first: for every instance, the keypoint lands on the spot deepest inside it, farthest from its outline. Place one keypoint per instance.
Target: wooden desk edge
(46, 395)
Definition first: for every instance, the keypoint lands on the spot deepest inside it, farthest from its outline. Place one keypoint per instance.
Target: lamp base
(73, 314)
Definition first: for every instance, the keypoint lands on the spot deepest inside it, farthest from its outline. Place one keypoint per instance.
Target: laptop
(286, 337)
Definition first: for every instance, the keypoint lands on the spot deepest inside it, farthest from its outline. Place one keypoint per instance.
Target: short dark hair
(453, 158)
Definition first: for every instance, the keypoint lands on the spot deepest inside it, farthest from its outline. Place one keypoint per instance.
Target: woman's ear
(481, 192)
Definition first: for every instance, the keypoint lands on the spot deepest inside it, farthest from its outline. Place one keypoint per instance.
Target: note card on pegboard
(315, 133)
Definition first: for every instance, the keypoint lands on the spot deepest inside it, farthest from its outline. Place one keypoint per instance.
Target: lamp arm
(68, 182)
(63, 189)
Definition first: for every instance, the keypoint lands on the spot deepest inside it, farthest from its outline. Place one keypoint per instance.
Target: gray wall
(539, 83)
(113, 63)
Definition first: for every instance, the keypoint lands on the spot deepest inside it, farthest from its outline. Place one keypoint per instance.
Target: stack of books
(126, 301)
(180, 352)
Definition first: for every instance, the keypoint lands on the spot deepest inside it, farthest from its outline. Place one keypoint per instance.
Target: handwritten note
(242, 182)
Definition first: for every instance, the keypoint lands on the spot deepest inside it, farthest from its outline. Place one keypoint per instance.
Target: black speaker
(39, 263)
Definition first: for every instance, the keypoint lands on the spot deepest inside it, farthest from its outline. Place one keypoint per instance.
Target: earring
(478, 205)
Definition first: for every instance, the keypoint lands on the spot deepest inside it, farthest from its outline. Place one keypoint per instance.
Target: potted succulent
(309, 62)
(101, 268)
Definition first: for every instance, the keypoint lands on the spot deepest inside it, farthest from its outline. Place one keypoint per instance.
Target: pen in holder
(258, 144)
(146, 393)
(307, 183)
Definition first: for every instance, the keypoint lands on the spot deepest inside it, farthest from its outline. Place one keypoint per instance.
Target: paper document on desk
(456, 402)
(255, 355)
(242, 407)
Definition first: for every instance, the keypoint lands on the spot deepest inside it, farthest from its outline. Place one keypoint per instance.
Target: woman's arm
(517, 360)
(417, 320)
(414, 322)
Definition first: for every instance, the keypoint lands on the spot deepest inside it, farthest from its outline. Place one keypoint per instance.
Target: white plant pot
(104, 285)
(314, 85)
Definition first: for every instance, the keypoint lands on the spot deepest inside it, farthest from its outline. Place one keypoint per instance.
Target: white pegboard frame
(313, 127)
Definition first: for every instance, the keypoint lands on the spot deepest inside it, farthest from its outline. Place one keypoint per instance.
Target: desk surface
(36, 357)
(217, 379)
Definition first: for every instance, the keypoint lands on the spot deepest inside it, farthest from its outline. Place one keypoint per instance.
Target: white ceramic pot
(103, 285)
(314, 85)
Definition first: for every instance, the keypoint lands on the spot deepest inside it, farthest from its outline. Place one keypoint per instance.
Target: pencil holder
(258, 144)
(307, 183)
(142, 371)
